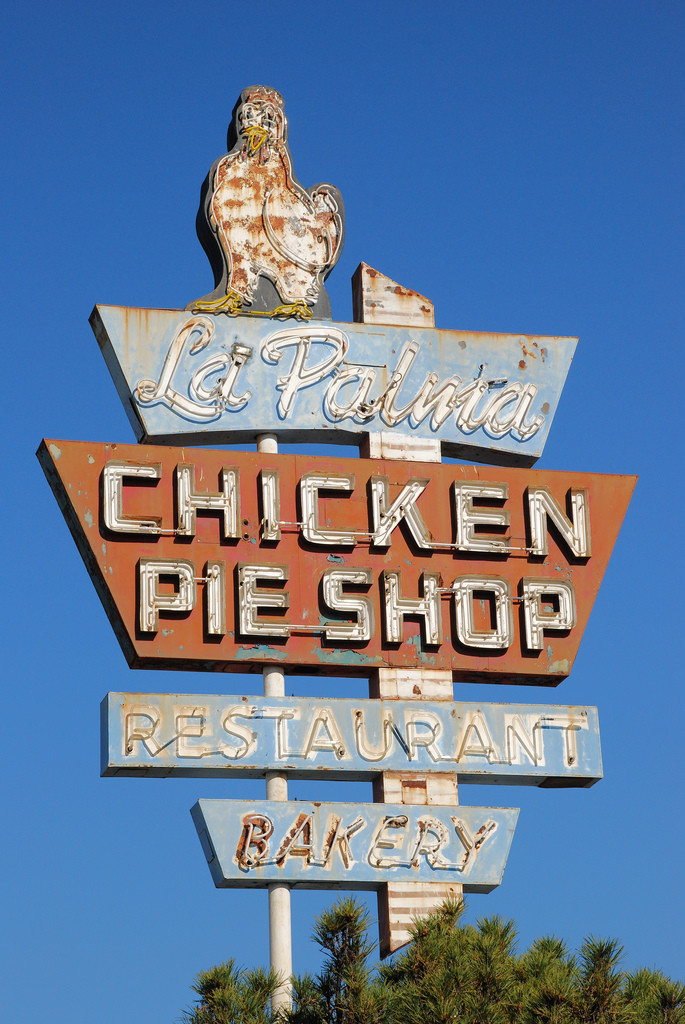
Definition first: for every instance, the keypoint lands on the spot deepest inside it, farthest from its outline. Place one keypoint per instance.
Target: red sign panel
(232, 560)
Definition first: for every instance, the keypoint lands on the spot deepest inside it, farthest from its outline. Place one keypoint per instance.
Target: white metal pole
(280, 928)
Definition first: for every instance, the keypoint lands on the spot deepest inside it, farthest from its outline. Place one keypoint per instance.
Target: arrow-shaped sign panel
(232, 560)
(352, 846)
(157, 735)
(197, 378)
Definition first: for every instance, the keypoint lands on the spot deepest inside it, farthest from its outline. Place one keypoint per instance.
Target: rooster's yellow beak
(257, 136)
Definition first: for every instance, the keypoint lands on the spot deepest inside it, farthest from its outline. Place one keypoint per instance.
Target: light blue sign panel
(156, 735)
(203, 379)
(352, 846)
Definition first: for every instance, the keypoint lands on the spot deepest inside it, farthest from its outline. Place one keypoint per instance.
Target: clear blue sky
(518, 163)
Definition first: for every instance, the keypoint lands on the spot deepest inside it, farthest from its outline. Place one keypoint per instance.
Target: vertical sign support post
(378, 299)
(280, 927)
(399, 903)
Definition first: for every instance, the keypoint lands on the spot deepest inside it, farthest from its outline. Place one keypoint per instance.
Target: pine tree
(654, 998)
(449, 974)
(343, 993)
(231, 996)
(601, 982)
(546, 984)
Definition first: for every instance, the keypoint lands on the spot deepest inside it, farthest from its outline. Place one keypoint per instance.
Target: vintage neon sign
(242, 559)
(157, 735)
(352, 846)
(185, 377)
(211, 561)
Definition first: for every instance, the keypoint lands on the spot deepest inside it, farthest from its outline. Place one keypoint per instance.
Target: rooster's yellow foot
(231, 304)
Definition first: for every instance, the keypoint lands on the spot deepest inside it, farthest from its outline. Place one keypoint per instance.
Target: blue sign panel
(352, 846)
(157, 735)
(198, 378)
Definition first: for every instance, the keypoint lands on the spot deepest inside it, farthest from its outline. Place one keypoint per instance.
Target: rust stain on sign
(227, 560)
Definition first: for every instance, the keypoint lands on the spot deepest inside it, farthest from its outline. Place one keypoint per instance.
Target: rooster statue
(271, 242)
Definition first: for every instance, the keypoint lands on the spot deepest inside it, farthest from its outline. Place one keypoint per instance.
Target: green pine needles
(461, 974)
(231, 996)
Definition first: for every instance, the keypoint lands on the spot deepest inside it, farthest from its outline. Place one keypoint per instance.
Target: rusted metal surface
(377, 299)
(352, 846)
(189, 378)
(373, 565)
(269, 240)
(204, 735)
(385, 445)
